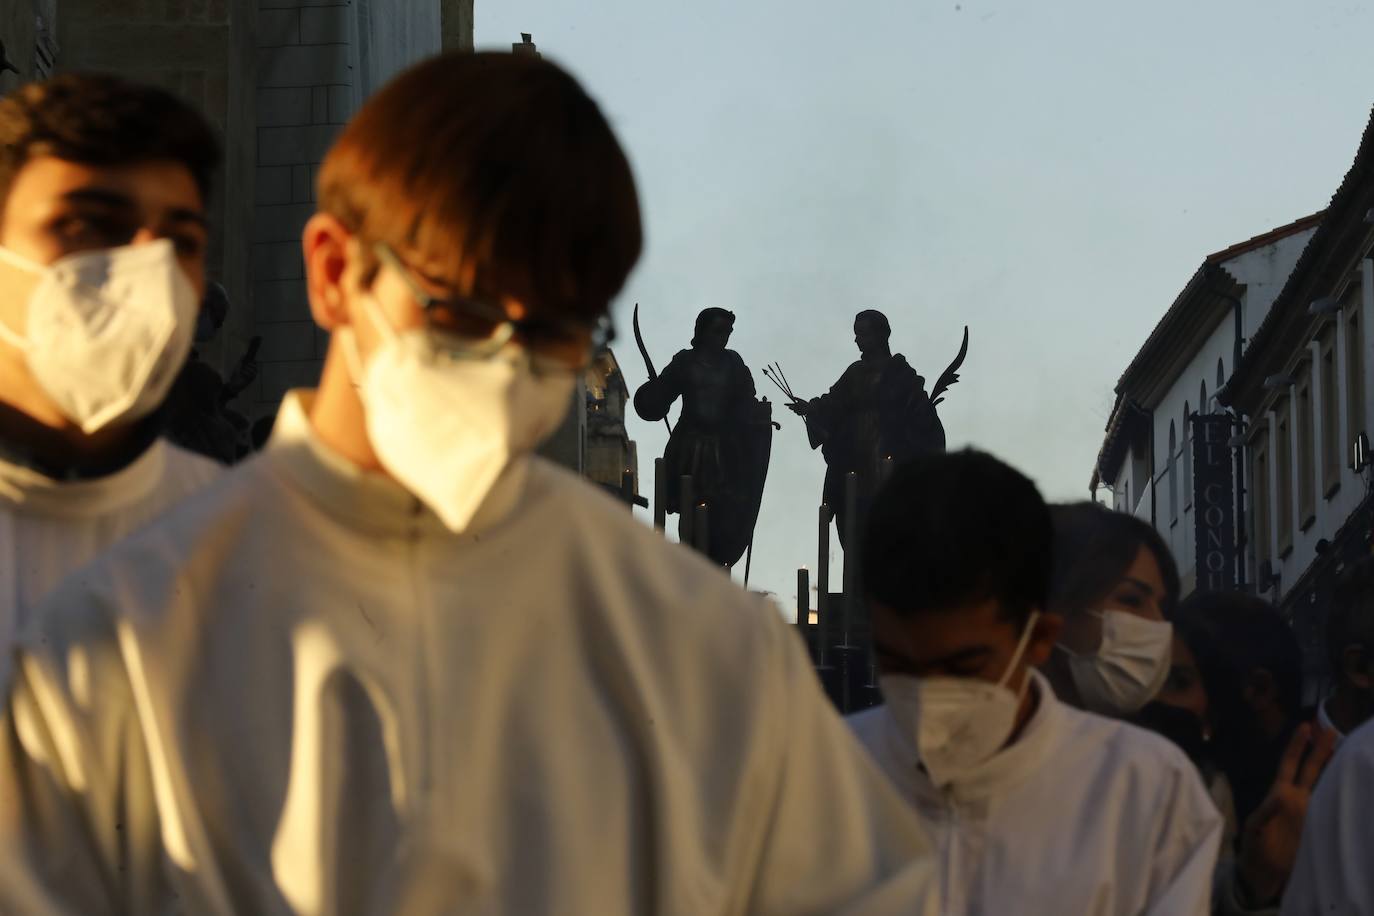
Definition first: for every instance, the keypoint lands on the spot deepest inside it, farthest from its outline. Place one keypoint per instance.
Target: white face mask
(1128, 668)
(446, 427)
(107, 331)
(957, 723)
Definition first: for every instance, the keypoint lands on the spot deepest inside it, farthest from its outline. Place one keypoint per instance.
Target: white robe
(1081, 815)
(298, 693)
(1335, 868)
(48, 528)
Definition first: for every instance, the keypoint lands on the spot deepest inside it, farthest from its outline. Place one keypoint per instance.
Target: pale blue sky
(1049, 173)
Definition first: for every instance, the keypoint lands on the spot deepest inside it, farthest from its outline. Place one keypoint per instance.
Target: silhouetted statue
(723, 436)
(197, 412)
(878, 410)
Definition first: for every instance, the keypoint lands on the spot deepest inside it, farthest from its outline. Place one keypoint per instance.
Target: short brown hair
(96, 119)
(502, 160)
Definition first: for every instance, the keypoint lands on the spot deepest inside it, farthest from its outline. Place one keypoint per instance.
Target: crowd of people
(395, 663)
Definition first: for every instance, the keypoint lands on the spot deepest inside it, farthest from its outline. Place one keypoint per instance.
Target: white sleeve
(1333, 873)
(78, 826)
(839, 838)
(1187, 845)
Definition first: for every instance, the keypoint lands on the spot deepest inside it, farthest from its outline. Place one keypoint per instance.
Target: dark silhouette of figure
(198, 415)
(878, 410)
(722, 439)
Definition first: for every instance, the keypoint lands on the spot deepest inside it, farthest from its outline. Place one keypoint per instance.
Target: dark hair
(502, 163)
(1351, 618)
(949, 530)
(1233, 634)
(95, 119)
(706, 317)
(878, 318)
(1093, 548)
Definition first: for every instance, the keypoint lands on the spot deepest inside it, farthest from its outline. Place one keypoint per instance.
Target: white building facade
(1147, 461)
(1268, 355)
(1306, 389)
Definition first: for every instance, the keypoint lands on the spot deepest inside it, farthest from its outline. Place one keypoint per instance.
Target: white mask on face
(446, 427)
(107, 331)
(1128, 668)
(956, 722)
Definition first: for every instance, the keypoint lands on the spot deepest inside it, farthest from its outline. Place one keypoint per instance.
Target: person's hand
(244, 374)
(798, 407)
(1269, 840)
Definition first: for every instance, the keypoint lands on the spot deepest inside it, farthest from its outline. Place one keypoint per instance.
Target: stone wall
(316, 61)
(304, 95)
(17, 21)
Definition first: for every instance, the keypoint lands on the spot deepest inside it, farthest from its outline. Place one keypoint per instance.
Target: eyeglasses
(473, 329)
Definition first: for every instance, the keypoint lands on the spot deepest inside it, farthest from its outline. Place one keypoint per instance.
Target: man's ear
(327, 247)
(1044, 635)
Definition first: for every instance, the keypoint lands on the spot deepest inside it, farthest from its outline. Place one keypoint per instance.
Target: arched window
(1171, 469)
(1187, 481)
(1221, 374)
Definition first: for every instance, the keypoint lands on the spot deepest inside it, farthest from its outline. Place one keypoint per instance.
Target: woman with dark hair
(1233, 703)
(1115, 584)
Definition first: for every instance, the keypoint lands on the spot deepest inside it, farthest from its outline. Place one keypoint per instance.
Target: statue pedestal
(846, 669)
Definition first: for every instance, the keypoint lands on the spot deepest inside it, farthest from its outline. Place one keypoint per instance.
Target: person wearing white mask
(1036, 807)
(1115, 585)
(103, 235)
(396, 664)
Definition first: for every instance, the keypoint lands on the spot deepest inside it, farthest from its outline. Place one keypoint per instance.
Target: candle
(701, 530)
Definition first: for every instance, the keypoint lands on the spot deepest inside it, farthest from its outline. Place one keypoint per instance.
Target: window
(1221, 374)
(1329, 393)
(1259, 499)
(1186, 458)
(1354, 378)
(1171, 469)
(1307, 473)
(1283, 480)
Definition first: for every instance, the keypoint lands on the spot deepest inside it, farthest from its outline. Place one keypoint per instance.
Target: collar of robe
(368, 500)
(16, 453)
(30, 489)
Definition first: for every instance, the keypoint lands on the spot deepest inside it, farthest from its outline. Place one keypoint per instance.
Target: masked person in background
(395, 663)
(1115, 585)
(103, 192)
(1037, 808)
(1350, 649)
(1244, 695)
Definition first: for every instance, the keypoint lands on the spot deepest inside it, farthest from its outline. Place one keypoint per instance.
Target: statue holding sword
(723, 436)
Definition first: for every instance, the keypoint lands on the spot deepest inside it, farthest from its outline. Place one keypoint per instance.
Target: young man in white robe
(397, 664)
(1035, 807)
(103, 235)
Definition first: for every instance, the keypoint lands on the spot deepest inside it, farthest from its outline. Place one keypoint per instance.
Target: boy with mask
(103, 192)
(394, 663)
(1037, 808)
